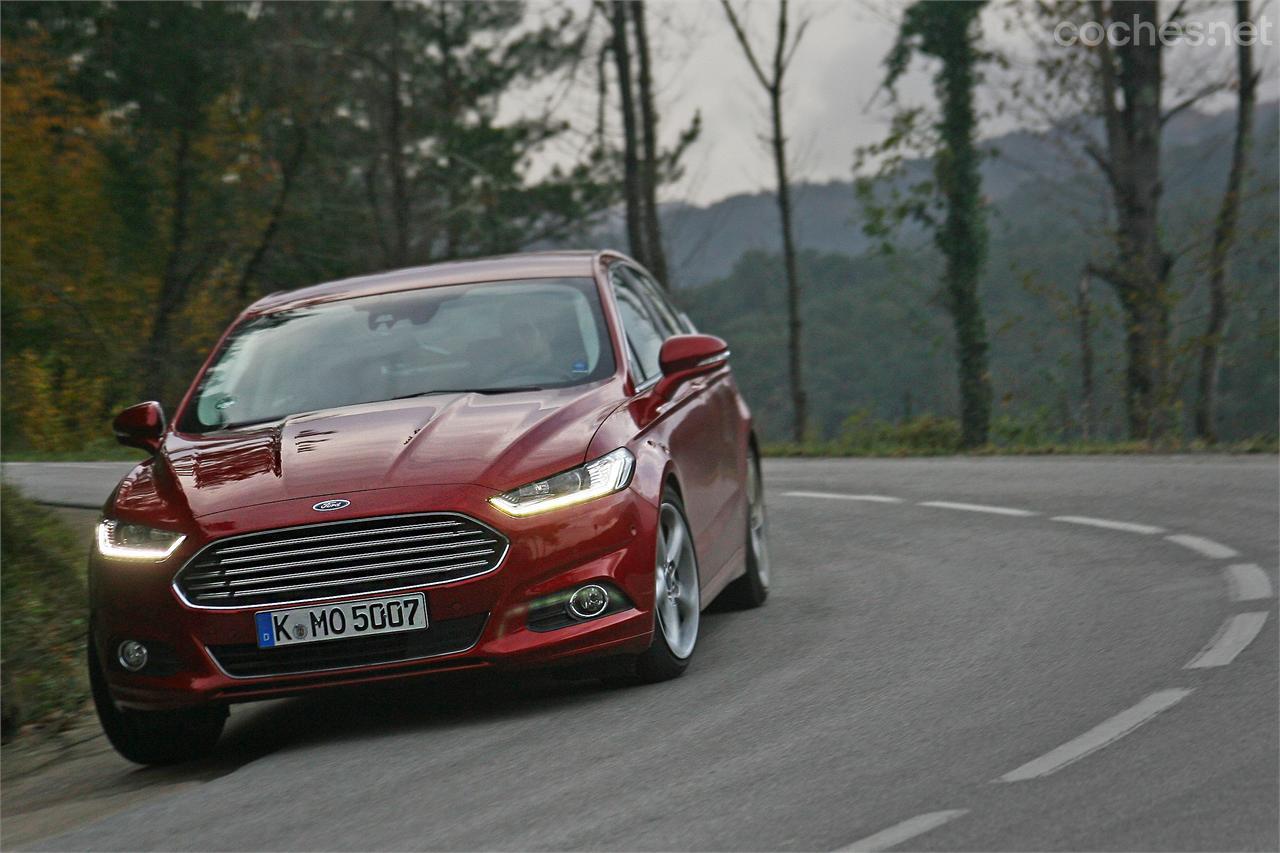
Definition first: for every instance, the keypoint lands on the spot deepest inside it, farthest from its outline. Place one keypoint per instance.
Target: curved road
(1000, 653)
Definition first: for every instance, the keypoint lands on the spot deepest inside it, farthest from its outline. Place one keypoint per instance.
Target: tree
(645, 164)
(441, 176)
(181, 149)
(1112, 101)
(1129, 86)
(773, 82)
(1224, 236)
(632, 192)
(947, 32)
(655, 254)
(59, 230)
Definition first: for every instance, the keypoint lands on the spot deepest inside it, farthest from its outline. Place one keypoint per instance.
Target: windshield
(491, 338)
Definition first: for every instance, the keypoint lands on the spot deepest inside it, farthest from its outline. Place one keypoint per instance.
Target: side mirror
(140, 426)
(684, 356)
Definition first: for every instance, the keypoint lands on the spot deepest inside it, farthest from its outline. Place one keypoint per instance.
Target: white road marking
(1207, 547)
(995, 510)
(1248, 582)
(1097, 737)
(908, 829)
(1232, 638)
(880, 499)
(1126, 526)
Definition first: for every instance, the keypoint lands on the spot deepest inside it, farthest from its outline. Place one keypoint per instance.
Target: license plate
(389, 615)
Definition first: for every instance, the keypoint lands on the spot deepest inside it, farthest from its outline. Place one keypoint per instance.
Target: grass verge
(828, 449)
(42, 614)
(104, 450)
(930, 435)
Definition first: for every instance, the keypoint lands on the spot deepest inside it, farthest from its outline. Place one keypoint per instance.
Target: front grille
(246, 660)
(339, 558)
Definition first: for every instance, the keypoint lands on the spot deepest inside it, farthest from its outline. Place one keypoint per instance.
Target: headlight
(604, 476)
(135, 542)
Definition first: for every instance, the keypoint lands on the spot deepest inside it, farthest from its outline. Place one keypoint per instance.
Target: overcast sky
(831, 104)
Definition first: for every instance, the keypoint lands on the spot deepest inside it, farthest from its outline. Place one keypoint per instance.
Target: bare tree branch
(745, 43)
(1192, 99)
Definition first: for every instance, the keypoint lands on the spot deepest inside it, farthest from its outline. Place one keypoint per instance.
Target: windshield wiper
(509, 389)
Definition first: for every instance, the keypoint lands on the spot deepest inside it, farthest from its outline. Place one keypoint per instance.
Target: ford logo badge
(330, 506)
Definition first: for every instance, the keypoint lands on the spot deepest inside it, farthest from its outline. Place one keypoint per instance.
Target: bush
(1035, 430)
(926, 435)
(42, 612)
(50, 405)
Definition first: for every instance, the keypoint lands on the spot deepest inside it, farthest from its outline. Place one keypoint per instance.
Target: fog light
(588, 601)
(132, 655)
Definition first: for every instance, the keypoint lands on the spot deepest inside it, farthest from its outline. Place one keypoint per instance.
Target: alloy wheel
(758, 525)
(676, 596)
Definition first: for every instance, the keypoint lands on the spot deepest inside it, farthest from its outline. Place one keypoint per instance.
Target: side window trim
(668, 319)
(617, 282)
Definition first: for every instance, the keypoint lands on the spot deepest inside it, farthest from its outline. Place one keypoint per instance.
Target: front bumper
(481, 622)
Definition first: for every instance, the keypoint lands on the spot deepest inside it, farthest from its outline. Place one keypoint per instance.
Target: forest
(164, 164)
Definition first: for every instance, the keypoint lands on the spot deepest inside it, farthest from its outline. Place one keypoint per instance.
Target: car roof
(559, 264)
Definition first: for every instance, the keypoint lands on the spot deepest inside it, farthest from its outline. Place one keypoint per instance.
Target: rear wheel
(677, 601)
(752, 588)
(154, 737)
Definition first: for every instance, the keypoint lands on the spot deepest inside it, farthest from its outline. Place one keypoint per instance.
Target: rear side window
(665, 312)
(644, 335)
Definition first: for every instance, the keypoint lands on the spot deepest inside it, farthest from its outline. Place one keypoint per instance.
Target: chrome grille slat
(337, 558)
(246, 583)
(326, 536)
(424, 537)
(387, 576)
(364, 555)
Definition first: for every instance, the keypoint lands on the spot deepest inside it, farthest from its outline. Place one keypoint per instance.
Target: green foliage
(879, 337)
(58, 408)
(99, 448)
(167, 162)
(1036, 429)
(929, 435)
(925, 435)
(947, 32)
(42, 612)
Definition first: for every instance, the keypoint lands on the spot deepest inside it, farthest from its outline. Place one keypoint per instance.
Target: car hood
(497, 440)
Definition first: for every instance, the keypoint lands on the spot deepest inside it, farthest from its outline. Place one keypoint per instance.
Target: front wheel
(677, 603)
(154, 737)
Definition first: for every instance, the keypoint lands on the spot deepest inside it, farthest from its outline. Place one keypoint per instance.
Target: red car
(514, 462)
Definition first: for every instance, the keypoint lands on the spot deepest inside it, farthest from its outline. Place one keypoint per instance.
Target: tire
(155, 737)
(752, 588)
(677, 602)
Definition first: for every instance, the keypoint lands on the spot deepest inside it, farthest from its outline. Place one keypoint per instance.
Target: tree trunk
(772, 83)
(799, 401)
(963, 235)
(1140, 274)
(656, 262)
(288, 172)
(395, 151)
(1224, 236)
(1083, 313)
(630, 158)
(454, 216)
(173, 283)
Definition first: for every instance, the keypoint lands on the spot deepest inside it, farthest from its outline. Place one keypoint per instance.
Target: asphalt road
(936, 676)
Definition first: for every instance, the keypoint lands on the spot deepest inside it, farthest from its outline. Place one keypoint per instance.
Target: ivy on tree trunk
(945, 31)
